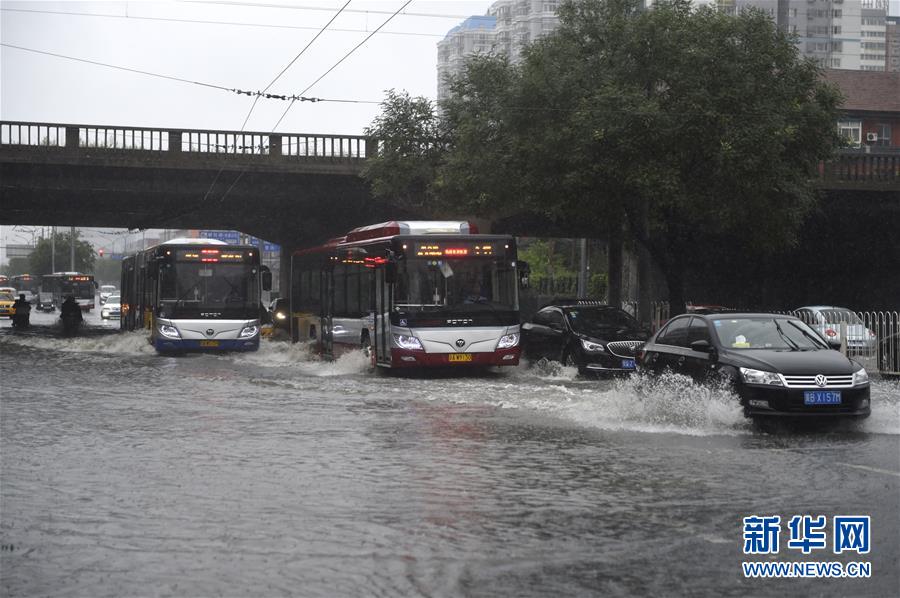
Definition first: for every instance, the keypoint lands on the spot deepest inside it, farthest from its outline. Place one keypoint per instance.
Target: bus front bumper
(403, 358)
(172, 345)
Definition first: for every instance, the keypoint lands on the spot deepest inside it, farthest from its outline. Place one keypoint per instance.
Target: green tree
(16, 265)
(84, 255)
(691, 128)
(411, 146)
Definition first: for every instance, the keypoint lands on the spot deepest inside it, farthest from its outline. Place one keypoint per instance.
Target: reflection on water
(274, 473)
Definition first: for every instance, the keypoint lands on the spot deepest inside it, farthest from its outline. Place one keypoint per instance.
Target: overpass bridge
(285, 187)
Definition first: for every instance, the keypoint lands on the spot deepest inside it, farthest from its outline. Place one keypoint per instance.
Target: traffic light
(100, 251)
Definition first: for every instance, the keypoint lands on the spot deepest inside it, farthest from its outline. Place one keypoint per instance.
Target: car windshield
(836, 316)
(6, 297)
(597, 320)
(113, 299)
(455, 285)
(778, 334)
(107, 289)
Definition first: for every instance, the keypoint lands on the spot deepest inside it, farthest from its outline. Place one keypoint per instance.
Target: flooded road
(270, 474)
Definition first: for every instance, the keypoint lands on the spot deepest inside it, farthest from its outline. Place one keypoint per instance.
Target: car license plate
(460, 357)
(628, 364)
(822, 397)
(209, 343)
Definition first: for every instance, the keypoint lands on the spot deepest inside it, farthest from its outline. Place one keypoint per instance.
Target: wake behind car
(585, 334)
(777, 364)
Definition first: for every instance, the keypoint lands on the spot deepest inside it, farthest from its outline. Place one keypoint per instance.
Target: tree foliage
(84, 255)
(693, 127)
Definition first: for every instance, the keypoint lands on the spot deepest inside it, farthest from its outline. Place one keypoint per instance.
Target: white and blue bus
(413, 294)
(195, 295)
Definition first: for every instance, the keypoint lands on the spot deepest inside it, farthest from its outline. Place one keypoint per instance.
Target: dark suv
(586, 334)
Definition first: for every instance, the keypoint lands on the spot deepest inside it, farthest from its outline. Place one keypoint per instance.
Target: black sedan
(777, 364)
(588, 335)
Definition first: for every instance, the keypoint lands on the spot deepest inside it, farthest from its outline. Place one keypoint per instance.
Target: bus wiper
(795, 346)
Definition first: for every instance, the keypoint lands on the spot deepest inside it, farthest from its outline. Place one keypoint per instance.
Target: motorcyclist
(70, 314)
(23, 313)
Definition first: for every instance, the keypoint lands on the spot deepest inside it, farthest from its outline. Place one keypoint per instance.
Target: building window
(837, 13)
(837, 46)
(836, 30)
(836, 63)
(851, 130)
(884, 134)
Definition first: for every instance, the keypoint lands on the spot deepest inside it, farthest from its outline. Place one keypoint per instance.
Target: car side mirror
(266, 278)
(701, 346)
(832, 344)
(557, 327)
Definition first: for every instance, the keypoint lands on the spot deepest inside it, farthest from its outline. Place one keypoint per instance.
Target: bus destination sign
(454, 249)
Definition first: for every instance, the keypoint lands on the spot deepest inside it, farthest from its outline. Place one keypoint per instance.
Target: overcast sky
(246, 54)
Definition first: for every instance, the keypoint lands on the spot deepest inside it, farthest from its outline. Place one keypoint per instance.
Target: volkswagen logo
(210, 332)
(460, 342)
(821, 381)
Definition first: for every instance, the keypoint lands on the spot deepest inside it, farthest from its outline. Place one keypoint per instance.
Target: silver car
(827, 320)
(112, 309)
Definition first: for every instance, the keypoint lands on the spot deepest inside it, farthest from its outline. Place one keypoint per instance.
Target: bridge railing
(305, 146)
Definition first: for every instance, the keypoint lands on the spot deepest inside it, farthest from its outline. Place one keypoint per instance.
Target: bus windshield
(465, 286)
(81, 289)
(186, 287)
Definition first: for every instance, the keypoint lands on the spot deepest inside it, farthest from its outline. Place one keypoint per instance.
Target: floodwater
(125, 473)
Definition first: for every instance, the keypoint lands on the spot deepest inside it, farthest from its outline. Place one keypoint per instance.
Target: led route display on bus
(212, 255)
(454, 249)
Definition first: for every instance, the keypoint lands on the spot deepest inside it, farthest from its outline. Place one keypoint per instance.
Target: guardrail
(281, 146)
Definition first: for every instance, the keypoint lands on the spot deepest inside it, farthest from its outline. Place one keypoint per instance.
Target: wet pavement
(123, 473)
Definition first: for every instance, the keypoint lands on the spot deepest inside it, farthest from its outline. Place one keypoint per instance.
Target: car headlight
(407, 342)
(508, 341)
(169, 331)
(860, 377)
(592, 347)
(751, 376)
(249, 331)
(281, 316)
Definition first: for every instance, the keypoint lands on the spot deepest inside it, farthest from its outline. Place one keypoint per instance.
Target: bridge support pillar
(175, 142)
(71, 137)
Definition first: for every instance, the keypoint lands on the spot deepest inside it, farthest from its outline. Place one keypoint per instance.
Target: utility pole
(582, 268)
(52, 249)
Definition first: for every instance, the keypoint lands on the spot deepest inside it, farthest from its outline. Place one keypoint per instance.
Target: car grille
(844, 381)
(624, 348)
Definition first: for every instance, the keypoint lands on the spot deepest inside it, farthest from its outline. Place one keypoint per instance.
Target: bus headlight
(249, 331)
(508, 341)
(407, 342)
(169, 331)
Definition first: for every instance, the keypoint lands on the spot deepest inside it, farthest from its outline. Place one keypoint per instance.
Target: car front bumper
(788, 402)
(605, 363)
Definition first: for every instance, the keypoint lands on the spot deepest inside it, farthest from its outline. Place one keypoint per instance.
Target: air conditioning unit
(871, 136)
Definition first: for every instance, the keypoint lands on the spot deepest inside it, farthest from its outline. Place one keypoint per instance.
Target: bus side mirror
(266, 278)
(390, 272)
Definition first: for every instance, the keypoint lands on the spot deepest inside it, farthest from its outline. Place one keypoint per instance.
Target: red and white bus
(413, 294)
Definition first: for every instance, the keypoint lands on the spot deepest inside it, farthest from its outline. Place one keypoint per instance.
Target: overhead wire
(343, 58)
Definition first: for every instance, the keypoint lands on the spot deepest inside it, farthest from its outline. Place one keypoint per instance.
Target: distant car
(112, 309)
(7, 298)
(105, 291)
(29, 296)
(585, 334)
(45, 302)
(778, 365)
(826, 320)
